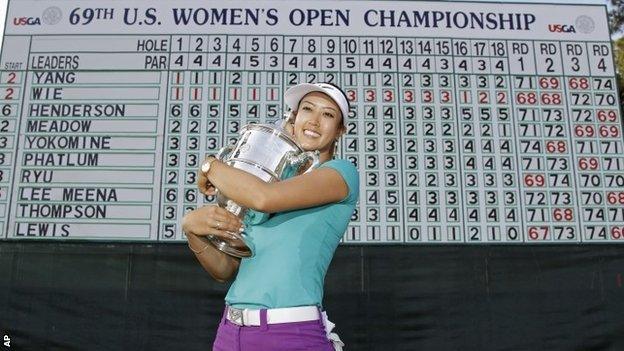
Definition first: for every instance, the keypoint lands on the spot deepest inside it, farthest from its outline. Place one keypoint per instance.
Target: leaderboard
(471, 122)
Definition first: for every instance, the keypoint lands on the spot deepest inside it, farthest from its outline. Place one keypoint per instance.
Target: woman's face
(318, 124)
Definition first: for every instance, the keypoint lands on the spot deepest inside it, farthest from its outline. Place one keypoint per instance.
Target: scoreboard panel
(484, 123)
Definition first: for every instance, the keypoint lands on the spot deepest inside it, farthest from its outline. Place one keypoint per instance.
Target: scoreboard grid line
(460, 163)
(165, 133)
(17, 137)
(286, 71)
(573, 151)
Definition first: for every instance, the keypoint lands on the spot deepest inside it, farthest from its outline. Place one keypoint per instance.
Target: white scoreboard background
(486, 123)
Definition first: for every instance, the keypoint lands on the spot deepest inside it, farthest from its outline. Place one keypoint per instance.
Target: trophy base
(235, 247)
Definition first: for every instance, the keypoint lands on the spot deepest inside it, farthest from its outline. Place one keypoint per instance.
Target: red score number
(538, 233)
(484, 97)
(563, 214)
(556, 146)
(549, 83)
(533, 180)
(588, 163)
(550, 98)
(617, 233)
(607, 116)
(351, 95)
(445, 96)
(11, 78)
(584, 131)
(369, 95)
(578, 83)
(526, 98)
(614, 198)
(9, 94)
(427, 96)
(388, 95)
(609, 131)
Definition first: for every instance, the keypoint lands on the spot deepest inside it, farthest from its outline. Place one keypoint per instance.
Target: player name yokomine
(68, 142)
(77, 110)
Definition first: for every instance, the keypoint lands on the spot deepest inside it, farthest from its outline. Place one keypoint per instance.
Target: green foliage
(618, 54)
(618, 46)
(616, 16)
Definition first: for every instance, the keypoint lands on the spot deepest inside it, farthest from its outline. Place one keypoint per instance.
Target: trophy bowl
(269, 153)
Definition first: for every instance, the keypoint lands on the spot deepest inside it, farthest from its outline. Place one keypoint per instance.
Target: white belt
(247, 317)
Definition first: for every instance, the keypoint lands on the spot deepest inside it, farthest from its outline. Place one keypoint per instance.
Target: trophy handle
(225, 152)
(314, 157)
(302, 158)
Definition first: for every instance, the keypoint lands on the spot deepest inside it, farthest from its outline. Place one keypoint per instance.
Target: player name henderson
(77, 110)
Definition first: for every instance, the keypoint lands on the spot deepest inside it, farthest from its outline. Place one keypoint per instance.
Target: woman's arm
(212, 220)
(318, 187)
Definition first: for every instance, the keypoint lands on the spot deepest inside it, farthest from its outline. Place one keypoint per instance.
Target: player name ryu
(68, 142)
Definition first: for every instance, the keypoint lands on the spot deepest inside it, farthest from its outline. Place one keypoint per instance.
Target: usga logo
(582, 24)
(26, 21)
(51, 15)
(561, 28)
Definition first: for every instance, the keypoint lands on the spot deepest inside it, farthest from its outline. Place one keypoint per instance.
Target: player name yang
(55, 77)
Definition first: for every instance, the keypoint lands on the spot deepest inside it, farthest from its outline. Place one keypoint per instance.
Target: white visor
(293, 96)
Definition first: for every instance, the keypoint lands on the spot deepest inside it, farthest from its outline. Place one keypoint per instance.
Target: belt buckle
(235, 316)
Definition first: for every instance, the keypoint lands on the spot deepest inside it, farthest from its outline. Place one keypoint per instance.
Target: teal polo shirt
(292, 251)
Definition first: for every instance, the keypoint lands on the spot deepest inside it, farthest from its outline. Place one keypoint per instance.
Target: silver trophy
(268, 152)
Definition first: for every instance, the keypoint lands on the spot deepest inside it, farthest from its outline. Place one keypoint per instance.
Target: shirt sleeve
(350, 175)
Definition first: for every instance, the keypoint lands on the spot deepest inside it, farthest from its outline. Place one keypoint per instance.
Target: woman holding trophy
(275, 300)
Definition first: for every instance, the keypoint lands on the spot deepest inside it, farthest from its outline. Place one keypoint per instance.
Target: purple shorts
(296, 336)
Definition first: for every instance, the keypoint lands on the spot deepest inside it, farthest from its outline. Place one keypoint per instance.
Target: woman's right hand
(204, 185)
(213, 220)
